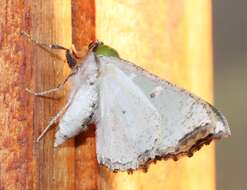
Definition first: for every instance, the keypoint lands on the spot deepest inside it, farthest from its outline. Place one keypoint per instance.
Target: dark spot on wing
(91, 115)
(152, 95)
(145, 168)
(190, 154)
(130, 171)
(174, 157)
(93, 105)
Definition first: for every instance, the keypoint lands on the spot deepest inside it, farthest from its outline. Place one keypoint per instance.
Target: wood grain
(16, 107)
(173, 40)
(83, 32)
(54, 167)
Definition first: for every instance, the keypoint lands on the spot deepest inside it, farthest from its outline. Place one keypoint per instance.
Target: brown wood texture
(54, 167)
(83, 32)
(171, 38)
(16, 107)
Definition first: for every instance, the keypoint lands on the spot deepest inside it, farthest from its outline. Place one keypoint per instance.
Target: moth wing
(78, 115)
(83, 102)
(125, 123)
(187, 122)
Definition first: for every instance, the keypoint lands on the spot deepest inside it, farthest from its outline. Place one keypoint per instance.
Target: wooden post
(173, 40)
(83, 21)
(24, 163)
(16, 166)
(51, 23)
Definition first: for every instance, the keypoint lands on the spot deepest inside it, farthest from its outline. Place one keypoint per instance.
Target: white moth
(139, 117)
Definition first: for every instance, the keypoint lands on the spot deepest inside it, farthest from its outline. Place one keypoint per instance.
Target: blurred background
(230, 77)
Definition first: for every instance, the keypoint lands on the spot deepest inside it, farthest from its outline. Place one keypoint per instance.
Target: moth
(139, 117)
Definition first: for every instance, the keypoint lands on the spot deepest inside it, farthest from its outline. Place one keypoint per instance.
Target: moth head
(99, 48)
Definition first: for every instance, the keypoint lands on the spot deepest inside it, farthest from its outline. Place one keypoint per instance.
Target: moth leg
(58, 87)
(69, 54)
(53, 120)
(43, 93)
(58, 115)
(77, 53)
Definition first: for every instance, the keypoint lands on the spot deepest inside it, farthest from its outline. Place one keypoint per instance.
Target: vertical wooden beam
(16, 107)
(171, 38)
(83, 32)
(54, 167)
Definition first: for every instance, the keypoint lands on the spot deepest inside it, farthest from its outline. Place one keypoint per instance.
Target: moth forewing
(128, 124)
(186, 121)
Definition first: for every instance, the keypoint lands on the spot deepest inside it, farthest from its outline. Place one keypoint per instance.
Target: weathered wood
(173, 40)
(16, 107)
(51, 23)
(83, 32)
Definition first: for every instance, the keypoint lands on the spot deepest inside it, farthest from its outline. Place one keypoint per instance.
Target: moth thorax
(102, 50)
